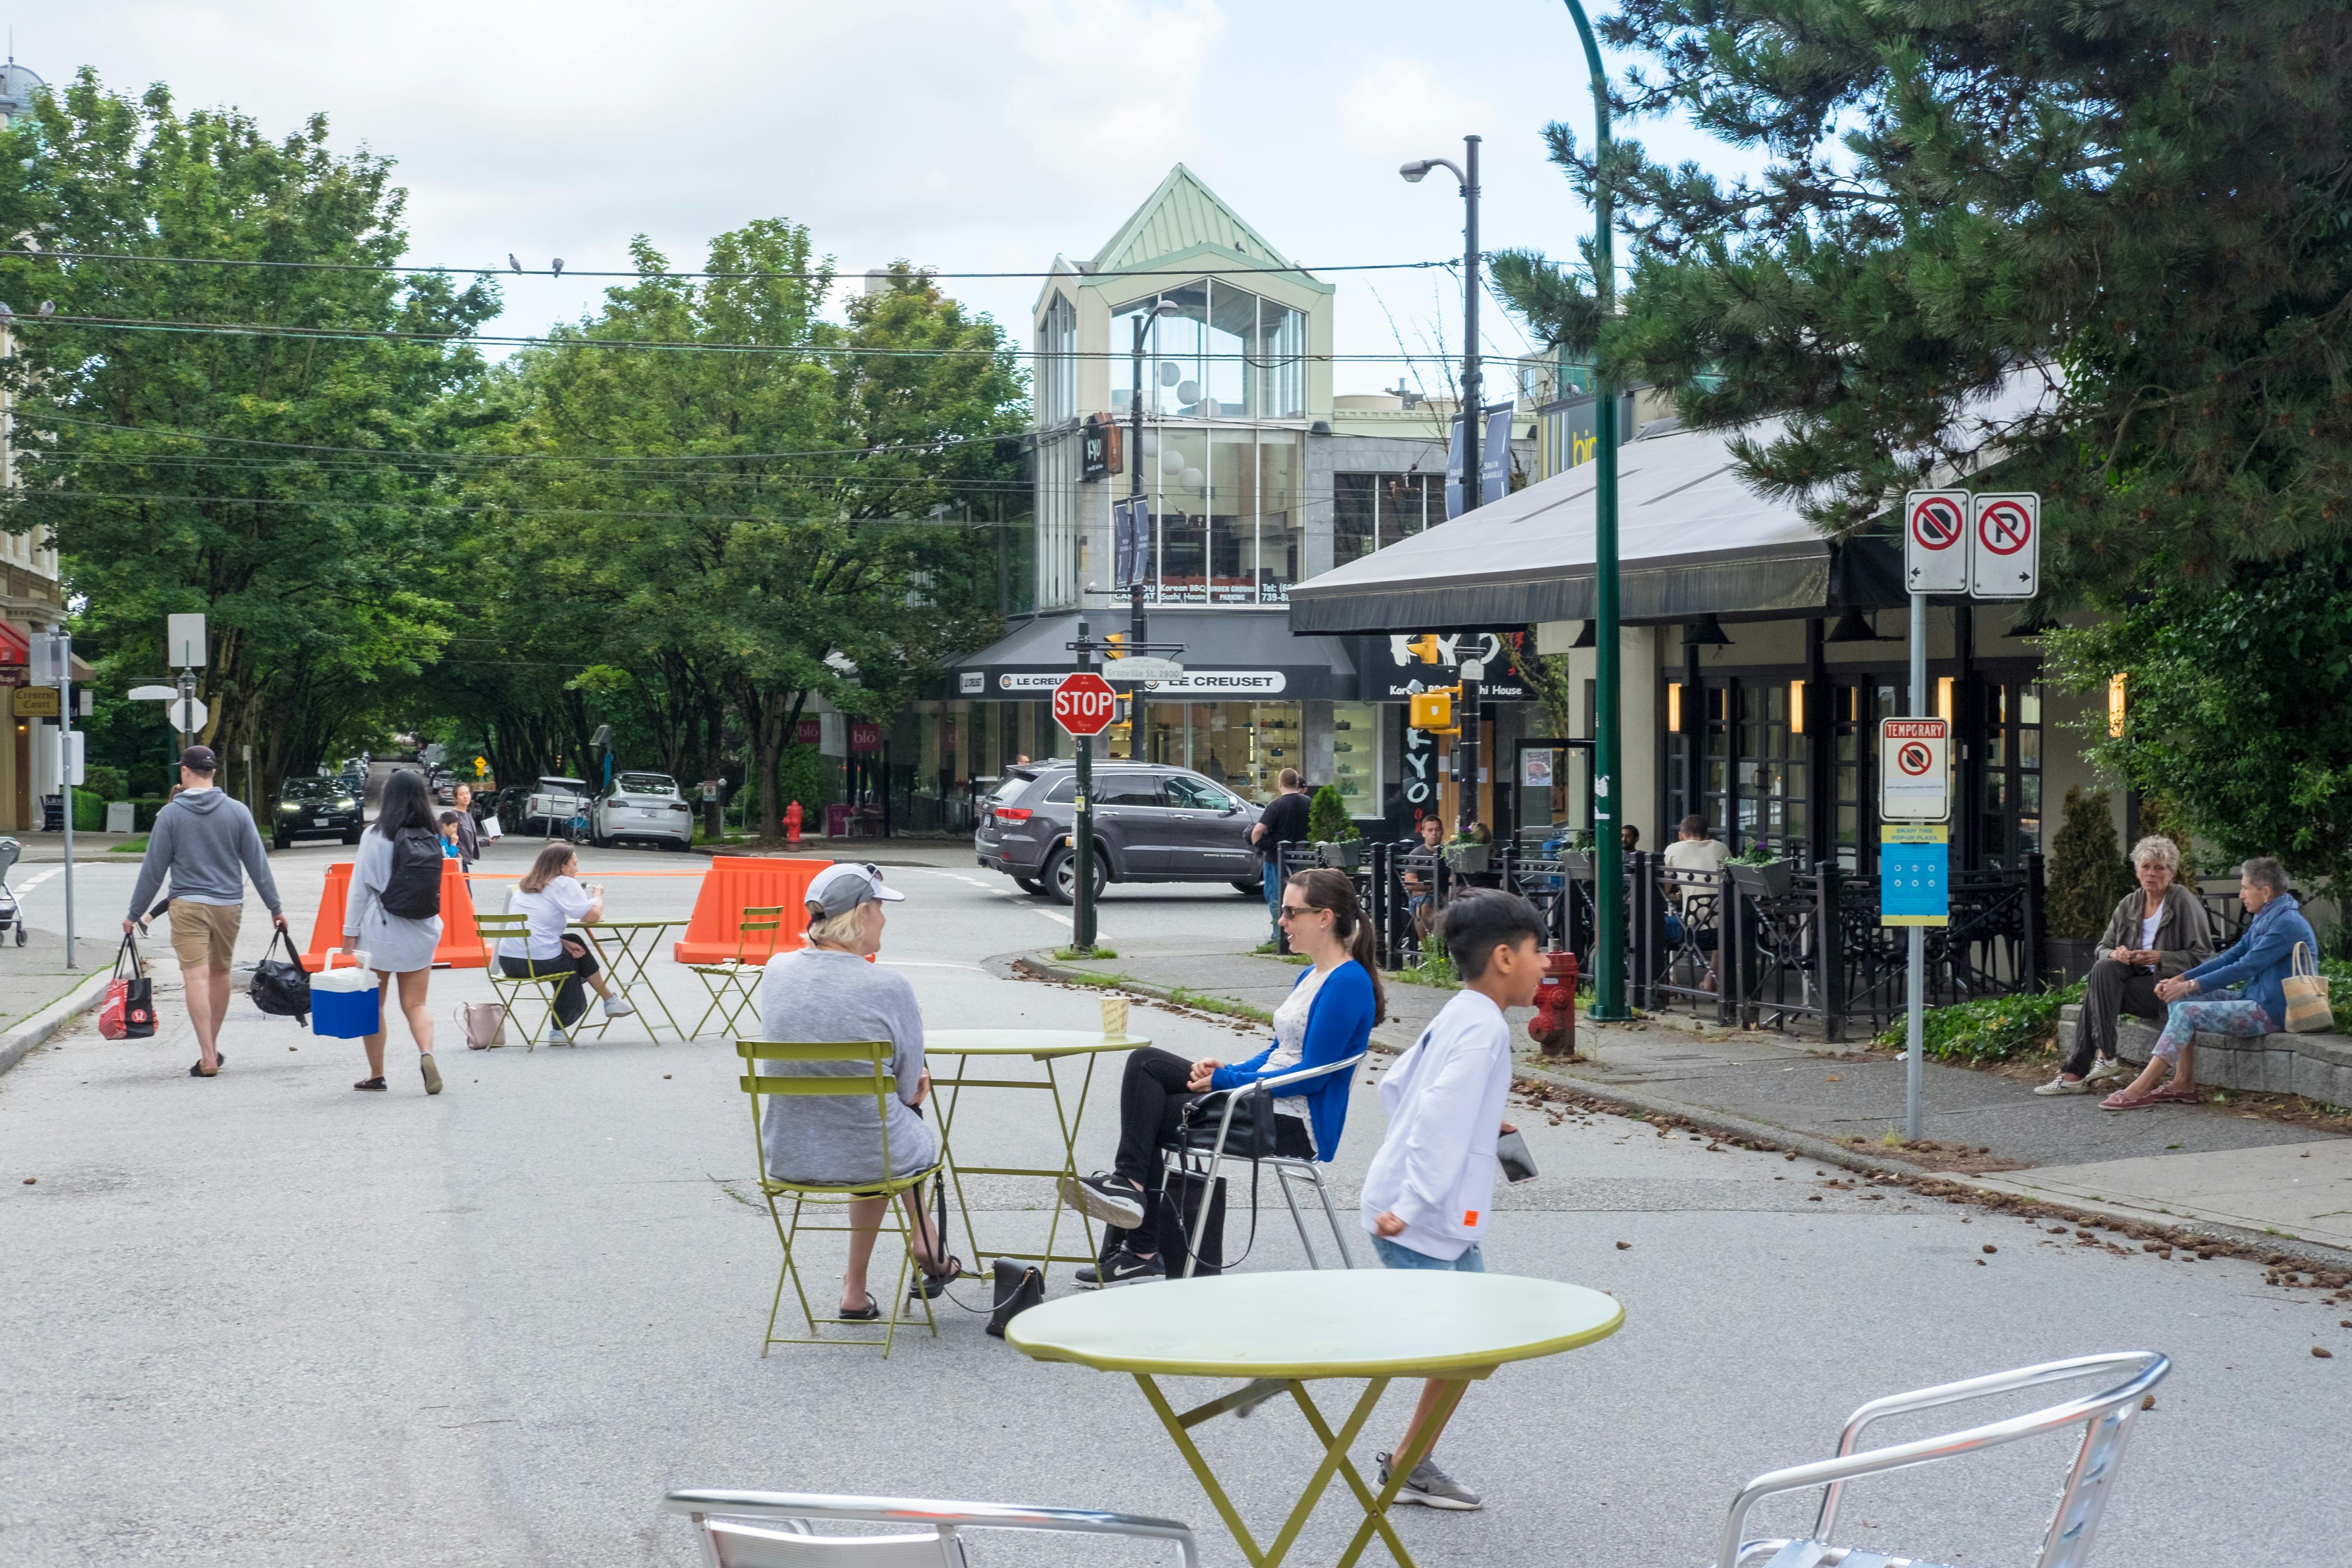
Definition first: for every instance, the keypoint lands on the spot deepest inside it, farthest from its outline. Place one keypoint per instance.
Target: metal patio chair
(734, 983)
(1203, 1150)
(2106, 1419)
(772, 1529)
(880, 1081)
(508, 988)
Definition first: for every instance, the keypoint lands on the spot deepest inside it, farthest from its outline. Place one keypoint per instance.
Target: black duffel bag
(281, 987)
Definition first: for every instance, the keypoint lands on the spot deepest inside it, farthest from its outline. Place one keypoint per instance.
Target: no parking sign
(2005, 546)
(1913, 769)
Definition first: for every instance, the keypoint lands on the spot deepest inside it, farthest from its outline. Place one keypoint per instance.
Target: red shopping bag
(129, 1011)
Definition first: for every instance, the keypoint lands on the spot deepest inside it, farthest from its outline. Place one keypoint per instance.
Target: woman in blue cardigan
(1327, 1018)
(2257, 964)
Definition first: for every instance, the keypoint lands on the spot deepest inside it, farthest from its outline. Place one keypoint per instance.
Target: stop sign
(1083, 703)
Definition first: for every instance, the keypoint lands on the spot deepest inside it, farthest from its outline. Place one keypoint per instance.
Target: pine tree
(2088, 876)
(1328, 821)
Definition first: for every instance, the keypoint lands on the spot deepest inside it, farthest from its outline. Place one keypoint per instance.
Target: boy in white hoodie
(1429, 1192)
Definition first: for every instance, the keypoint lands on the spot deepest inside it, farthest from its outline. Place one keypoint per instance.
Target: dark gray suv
(1151, 825)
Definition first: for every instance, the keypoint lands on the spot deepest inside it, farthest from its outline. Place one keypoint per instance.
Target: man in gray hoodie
(208, 842)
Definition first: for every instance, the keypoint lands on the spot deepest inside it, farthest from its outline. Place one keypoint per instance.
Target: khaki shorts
(204, 935)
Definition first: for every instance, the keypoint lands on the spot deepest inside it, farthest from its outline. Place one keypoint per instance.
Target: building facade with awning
(1758, 655)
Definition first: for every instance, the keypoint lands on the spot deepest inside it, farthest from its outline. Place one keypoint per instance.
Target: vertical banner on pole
(1453, 473)
(1495, 457)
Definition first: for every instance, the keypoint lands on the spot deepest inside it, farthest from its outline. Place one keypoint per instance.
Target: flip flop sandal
(865, 1314)
(931, 1286)
(372, 1085)
(219, 1061)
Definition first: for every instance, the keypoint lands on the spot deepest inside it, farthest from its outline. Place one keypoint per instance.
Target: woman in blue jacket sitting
(2256, 964)
(1327, 1018)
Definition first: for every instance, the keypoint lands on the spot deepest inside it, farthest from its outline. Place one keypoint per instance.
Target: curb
(19, 1042)
(2012, 1189)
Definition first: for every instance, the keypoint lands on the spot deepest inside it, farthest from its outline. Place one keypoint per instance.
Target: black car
(315, 808)
(1152, 824)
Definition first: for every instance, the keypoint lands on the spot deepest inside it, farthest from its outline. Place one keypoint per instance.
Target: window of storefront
(1224, 353)
(1356, 756)
(2009, 811)
(1227, 507)
(1772, 785)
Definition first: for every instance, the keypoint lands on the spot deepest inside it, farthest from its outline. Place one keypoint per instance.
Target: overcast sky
(964, 135)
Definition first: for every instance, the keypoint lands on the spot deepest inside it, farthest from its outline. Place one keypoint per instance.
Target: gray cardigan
(2184, 936)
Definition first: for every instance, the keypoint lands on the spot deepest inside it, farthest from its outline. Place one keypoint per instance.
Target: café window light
(1944, 698)
(1674, 707)
(2115, 706)
(1796, 708)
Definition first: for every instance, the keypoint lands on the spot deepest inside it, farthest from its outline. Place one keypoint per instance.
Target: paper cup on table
(1114, 1017)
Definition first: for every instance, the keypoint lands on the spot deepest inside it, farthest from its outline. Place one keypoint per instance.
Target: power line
(465, 340)
(837, 275)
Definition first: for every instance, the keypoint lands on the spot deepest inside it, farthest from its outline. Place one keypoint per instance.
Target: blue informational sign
(1914, 885)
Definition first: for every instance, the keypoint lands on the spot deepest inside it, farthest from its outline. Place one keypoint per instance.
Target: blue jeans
(1393, 1254)
(1272, 875)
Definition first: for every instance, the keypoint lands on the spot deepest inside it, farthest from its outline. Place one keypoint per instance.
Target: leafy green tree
(260, 479)
(2234, 707)
(2088, 875)
(1328, 821)
(2134, 212)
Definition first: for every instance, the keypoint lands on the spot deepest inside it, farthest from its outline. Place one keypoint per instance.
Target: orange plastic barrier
(461, 943)
(740, 882)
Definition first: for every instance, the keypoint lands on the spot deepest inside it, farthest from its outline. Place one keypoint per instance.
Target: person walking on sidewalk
(1284, 821)
(2159, 929)
(208, 845)
(1429, 1193)
(469, 832)
(394, 915)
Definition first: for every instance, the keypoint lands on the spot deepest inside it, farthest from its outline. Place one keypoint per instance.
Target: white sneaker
(618, 1007)
(2104, 1070)
(555, 1037)
(2063, 1085)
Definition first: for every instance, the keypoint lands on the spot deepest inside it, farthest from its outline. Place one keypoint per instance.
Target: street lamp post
(1471, 410)
(1608, 874)
(1138, 742)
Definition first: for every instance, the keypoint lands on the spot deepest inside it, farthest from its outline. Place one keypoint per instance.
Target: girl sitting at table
(1327, 1018)
(828, 993)
(550, 897)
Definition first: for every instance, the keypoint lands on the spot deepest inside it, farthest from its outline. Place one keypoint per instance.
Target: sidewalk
(49, 849)
(2242, 1178)
(38, 994)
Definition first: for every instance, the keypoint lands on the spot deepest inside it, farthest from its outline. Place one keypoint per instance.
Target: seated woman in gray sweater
(828, 991)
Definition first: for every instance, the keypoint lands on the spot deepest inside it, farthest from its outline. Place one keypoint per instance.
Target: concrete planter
(2065, 960)
(1345, 856)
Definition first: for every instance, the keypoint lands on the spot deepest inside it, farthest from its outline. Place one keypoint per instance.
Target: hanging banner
(1495, 457)
(1454, 472)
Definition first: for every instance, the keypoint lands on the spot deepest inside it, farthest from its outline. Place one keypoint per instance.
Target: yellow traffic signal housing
(1424, 648)
(1434, 711)
(1117, 648)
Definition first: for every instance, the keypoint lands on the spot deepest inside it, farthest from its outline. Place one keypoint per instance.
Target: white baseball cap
(841, 888)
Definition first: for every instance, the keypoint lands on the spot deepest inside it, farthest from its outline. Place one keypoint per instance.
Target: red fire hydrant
(793, 823)
(1554, 1025)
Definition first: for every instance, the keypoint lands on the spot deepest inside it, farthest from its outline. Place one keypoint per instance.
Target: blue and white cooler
(345, 1004)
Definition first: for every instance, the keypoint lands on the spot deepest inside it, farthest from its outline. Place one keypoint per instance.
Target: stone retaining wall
(2316, 1066)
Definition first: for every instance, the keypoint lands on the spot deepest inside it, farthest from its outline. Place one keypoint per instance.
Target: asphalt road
(262, 1319)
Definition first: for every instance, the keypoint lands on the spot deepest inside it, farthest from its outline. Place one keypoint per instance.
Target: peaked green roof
(1182, 214)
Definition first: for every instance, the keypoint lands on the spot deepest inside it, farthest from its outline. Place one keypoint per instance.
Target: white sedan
(642, 808)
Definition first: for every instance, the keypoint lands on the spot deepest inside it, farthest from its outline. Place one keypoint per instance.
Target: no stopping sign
(1913, 769)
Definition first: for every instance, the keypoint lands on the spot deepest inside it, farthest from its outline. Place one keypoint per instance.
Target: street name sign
(1913, 769)
(2005, 546)
(1129, 671)
(1083, 703)
(1936, 542)
(1914, 874)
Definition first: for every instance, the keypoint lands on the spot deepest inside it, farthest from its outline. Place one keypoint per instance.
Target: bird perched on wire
(511, 263)
(556, 269)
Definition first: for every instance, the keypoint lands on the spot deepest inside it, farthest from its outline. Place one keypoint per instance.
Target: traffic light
(1434, 711)
(1118, 641)
(1424, 647)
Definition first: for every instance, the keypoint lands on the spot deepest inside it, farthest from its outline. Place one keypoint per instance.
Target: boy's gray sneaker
(1433, 1487)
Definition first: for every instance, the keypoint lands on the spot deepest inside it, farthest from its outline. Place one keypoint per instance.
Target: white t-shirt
(2147, 927)
(1707, 855)
(548, 910)
(1290, 1039)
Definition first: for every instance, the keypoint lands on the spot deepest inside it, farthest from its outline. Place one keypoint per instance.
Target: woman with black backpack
(393, 914)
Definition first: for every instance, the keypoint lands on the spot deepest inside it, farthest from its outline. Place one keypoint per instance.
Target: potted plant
(1576, 855)
(2088, 878)
(1338, 843)
(1469, 853)
(1761, 873)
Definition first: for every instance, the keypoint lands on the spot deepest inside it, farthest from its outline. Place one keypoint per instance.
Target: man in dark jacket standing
(1284, 821)
(208, 844)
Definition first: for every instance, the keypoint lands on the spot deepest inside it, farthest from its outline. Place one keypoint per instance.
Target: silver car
(642, 808)
(1152, 824)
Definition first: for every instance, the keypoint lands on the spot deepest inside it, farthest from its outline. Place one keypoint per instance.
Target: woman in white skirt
(399, 857)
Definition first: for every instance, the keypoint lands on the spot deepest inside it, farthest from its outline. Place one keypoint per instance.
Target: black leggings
(571, 997)
(1152, 1101)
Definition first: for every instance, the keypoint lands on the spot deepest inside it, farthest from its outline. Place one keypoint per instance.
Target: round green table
(1284, 1330)
(1004, 1048)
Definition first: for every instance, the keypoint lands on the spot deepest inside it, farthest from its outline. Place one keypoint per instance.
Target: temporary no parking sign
(2005, 546)
(1913, 769)
(1936, 542)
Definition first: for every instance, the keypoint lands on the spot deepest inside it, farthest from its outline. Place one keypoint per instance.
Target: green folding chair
(734, 983)
(508, 988)
(880, 1081)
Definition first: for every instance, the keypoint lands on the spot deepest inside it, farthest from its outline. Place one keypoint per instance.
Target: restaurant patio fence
(1757, 946)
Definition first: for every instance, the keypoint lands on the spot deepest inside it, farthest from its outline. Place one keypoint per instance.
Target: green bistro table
(624, 948)
(1045, 1047)
(1284, 1330)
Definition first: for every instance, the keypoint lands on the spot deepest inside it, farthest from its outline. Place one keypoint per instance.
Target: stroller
(11, 913)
